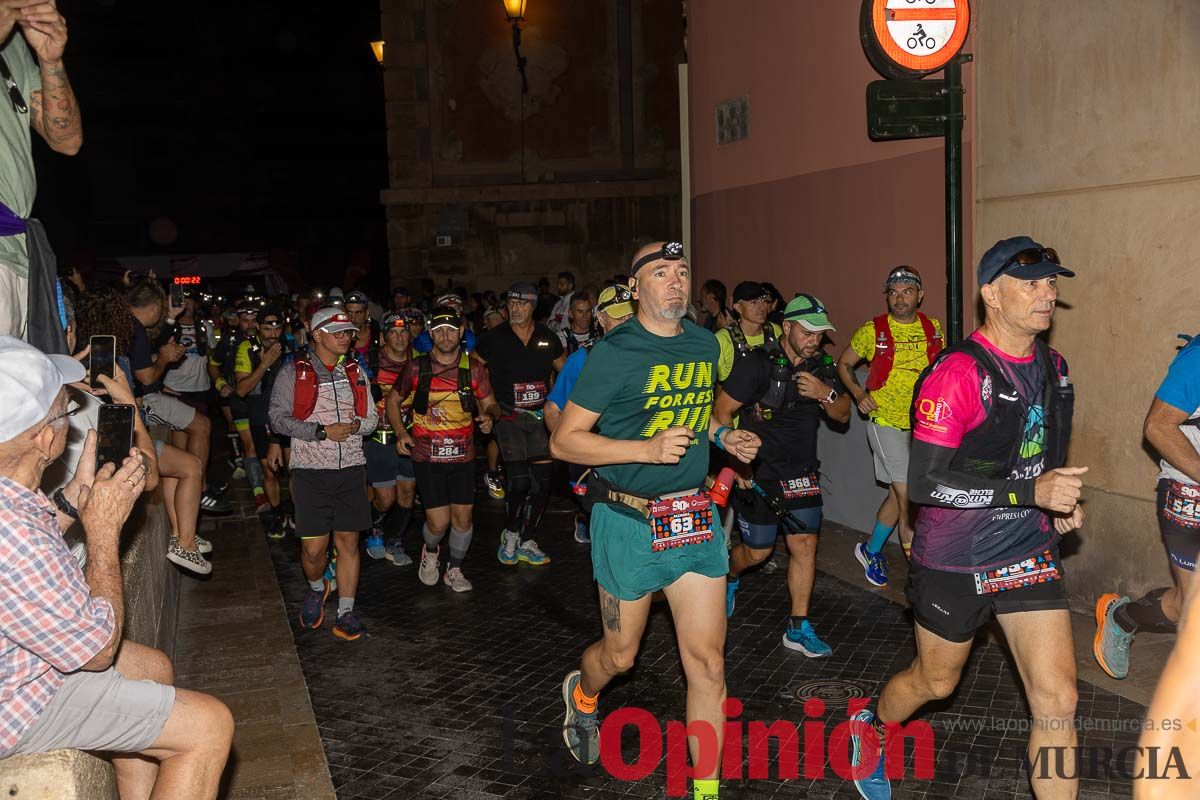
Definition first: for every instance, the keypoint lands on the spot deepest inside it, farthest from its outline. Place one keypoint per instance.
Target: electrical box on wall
(733, 120)
(444, 241)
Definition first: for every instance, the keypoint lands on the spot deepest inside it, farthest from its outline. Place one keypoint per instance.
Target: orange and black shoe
(312, 611)
(348, 627)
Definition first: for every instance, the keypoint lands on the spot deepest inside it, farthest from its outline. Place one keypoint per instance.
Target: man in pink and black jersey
(991, 423)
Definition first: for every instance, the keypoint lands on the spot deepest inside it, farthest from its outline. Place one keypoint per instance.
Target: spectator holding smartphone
(67, 678)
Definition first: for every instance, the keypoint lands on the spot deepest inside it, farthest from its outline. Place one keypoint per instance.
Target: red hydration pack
(885, 349)
(304, 398)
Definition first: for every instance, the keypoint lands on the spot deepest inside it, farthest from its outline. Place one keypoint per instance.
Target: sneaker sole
(858, 553)
(188, 565)
(570, 706)
(531, 562)
(1102, 604)
(459, 587)
(349, 637)
(376, 557)
(316, 624)
(503, 560)
(799, 648)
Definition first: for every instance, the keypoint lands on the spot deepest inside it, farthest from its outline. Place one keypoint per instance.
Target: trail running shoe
(805, 640)
(428, 571)
(375, 548)
(875, 786)
(312, 611)
(495, 485)
(582, 535)
(731, 587)
(348, 627)
(394, 552)
(530, 553)
(276, 529)
(509, 542)
(1111, 645)
(203, 545)
(456, 580)
(188, 559)
(874, 564)
(581, 732)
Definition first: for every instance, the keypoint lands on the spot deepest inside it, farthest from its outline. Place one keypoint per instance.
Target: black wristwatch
(321, 433)
(64, 505)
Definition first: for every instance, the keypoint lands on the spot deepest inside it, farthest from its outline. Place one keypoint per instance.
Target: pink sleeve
(949, 404)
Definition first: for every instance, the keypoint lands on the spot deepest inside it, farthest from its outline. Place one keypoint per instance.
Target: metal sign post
(905, 40)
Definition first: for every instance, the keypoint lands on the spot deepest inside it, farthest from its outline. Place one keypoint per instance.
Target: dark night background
(255, 125)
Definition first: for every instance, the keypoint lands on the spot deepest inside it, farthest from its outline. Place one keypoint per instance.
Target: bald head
(661, 281)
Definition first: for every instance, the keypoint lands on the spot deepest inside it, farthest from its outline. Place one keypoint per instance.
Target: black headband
(670, 251)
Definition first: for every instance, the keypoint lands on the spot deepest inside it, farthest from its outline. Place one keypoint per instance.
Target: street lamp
(514, 12)
(377, 49)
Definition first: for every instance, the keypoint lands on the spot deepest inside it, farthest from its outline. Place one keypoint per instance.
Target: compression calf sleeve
(1145, 614)
(254, 473)
(459, 542)
(879, 536)
(432, 540)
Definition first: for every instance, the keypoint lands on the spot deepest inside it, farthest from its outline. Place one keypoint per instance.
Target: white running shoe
(428, 571)
(456, 580)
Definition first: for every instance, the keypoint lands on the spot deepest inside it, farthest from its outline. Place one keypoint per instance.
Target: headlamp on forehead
(670, 251)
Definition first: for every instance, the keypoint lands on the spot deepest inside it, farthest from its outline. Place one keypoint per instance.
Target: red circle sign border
(887, 47)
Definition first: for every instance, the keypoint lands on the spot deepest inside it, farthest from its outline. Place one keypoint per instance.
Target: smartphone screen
(114, 434)
(103, 357)
(176, 297)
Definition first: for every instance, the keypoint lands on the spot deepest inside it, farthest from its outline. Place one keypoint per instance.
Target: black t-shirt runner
(520, 373)
(789, 434)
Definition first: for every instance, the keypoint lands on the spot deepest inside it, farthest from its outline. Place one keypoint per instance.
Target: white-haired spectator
(67, 678)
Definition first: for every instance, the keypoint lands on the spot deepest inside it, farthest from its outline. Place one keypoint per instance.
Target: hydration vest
(268, 379)
(885, 349)
(993, 449)
(465, 390)
(304, 398)
(742, 348)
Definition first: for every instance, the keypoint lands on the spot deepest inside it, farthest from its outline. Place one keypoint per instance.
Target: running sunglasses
(670, 251)
(1030, 256)
(14, 92)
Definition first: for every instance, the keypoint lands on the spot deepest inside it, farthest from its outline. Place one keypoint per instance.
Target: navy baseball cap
(1022, 258)
(748, 290)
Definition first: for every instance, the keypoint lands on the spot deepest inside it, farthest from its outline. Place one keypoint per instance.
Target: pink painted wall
(807, 201)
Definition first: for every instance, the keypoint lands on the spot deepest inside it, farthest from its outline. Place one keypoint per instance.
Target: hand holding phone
(114, 434)
(102, 360)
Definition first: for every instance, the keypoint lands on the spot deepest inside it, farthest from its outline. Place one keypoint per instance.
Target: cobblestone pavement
(458, 695)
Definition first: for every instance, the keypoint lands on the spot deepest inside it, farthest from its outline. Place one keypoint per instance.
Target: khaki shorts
(890, 448)
(100, 711)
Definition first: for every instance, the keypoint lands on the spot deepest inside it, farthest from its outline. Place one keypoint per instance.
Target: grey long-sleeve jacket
(335, 403)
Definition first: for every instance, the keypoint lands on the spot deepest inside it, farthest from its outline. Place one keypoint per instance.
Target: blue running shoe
(529, 552)
(330, 578)
(874, 564)
(731, 587)
(375, 548)
(875, 786)
(1111, 645)
(581, 731)
(395, 554)
(312, 612)
(509, 542)
(581, 530)
(348, 627)
(805, 640)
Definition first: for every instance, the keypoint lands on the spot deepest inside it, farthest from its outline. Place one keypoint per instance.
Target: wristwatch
(321, 433)
(829, 399)
(64, 505)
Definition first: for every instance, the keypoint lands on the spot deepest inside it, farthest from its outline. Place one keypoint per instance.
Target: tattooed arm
(53, 108)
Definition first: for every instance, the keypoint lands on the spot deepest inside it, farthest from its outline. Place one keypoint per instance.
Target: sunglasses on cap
(670, 251)
(1030, 256)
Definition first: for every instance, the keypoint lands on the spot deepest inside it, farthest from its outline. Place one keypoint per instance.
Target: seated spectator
(67, 679)
(104, 313)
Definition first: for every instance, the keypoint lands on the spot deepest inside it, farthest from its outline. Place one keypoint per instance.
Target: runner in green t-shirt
(648, 389)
